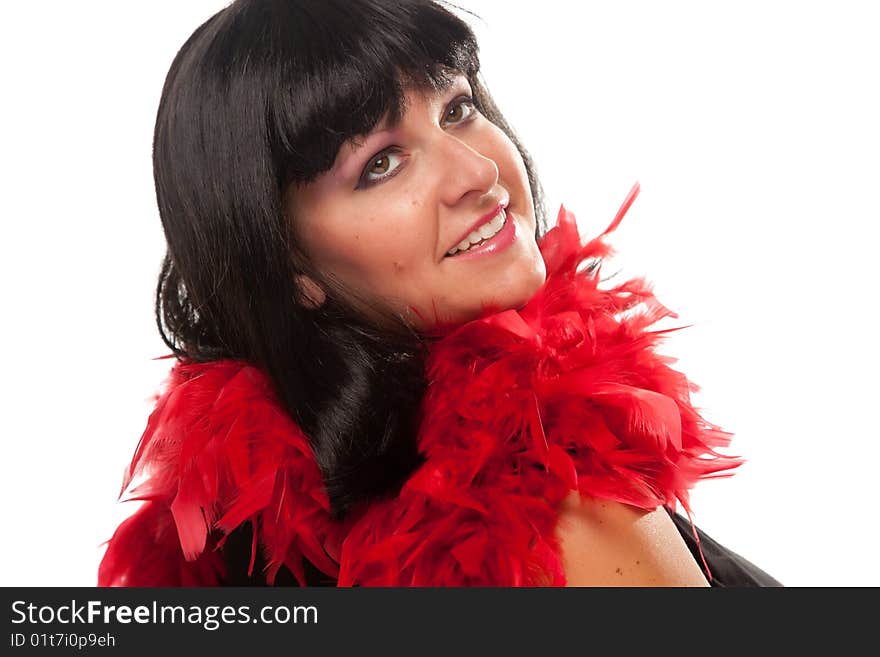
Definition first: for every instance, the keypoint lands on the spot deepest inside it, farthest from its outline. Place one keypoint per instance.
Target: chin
(521, 282)
(518, 292)
(531, 275)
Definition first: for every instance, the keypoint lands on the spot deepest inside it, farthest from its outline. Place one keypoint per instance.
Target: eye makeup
(365, 181)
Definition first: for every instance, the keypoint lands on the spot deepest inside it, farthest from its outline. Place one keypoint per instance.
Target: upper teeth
(484, 232)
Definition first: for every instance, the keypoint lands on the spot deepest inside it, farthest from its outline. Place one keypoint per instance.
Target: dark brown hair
(259, 98)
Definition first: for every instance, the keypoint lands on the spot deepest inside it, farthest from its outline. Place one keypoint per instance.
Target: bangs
(343, 66)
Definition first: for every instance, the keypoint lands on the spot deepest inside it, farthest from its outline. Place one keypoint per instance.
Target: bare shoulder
(606, 543)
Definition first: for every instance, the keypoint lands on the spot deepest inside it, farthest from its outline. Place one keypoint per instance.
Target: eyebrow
(386, 125)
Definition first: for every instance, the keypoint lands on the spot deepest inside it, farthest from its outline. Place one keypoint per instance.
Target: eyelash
(364, 182)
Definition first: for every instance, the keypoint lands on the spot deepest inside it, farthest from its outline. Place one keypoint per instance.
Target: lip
(496, 244)
(479, 222)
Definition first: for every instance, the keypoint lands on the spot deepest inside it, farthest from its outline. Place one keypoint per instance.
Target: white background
(752, 127)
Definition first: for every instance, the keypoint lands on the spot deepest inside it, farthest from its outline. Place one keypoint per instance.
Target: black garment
(728, 568)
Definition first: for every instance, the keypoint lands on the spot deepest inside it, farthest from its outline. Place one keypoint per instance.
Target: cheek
(372, 249)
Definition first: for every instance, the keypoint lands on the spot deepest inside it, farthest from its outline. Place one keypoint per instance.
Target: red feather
(145, 551)
(572, 396)
(522, 407)
(219, 451)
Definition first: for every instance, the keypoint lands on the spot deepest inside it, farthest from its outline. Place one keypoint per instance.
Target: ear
(313, 294)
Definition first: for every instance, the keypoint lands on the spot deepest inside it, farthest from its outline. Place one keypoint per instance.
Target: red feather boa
(522, 407)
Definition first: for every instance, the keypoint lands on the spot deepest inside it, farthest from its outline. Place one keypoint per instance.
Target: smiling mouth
(485, 232)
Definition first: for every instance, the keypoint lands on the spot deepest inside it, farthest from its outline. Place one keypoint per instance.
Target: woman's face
(392, 218)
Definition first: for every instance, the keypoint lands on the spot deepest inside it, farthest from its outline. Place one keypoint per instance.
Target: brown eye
(381, 167)
(380, 164)
(461, 110)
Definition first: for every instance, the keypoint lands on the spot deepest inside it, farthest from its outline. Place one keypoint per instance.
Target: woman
(382, 378)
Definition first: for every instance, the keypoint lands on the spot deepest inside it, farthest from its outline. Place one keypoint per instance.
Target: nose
(466, 170)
